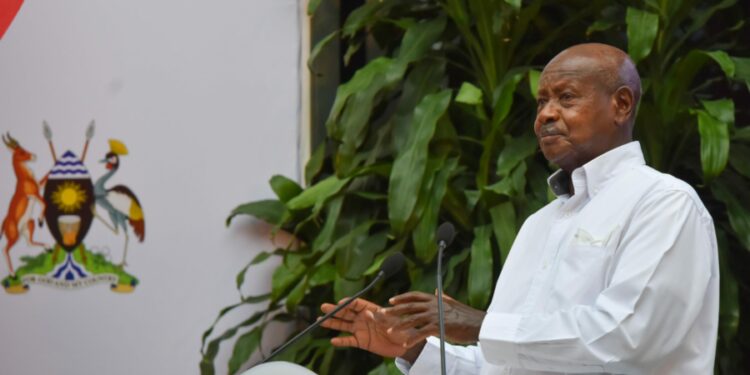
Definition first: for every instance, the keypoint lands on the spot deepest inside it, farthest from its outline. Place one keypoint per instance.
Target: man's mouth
(548, 131)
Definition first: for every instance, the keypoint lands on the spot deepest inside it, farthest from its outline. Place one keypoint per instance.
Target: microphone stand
(441, 311)
(325, 317)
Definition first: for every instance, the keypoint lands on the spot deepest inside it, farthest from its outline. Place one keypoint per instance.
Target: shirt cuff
(498, 337)
(427, 362)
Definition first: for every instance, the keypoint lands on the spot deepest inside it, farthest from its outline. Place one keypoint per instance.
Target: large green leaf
(409, 166)
(504, 226)
(244, 347)
(742, 69)
(424, 233)
(642, 29)
(284, 188)
(318, 193)
(514, 152)
(739, 215)
(714, 138)
(480, 268)
(469, 94)
(269, 210)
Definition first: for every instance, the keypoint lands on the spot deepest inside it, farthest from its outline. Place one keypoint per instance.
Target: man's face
(574, 120)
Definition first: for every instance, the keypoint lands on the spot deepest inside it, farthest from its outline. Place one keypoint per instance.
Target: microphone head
(445, 233)
(392, 264)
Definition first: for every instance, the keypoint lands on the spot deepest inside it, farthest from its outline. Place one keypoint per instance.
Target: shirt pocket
(583, 269)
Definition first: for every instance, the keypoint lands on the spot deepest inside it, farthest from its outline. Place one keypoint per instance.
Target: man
(619, 274)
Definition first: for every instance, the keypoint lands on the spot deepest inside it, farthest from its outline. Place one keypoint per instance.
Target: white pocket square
(582, 237)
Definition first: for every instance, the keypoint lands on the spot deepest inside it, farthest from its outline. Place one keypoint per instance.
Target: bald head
(586, 104)
(608, 66)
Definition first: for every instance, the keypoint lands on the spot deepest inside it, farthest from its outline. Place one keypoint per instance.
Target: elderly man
(619, 274)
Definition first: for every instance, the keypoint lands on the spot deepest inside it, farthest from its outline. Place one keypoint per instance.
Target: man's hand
(418, 318)
(368, 332)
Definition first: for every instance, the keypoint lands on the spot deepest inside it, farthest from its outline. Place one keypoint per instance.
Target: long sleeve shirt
(620, 277)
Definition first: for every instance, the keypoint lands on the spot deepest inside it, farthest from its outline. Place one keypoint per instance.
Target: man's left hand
(419, 318)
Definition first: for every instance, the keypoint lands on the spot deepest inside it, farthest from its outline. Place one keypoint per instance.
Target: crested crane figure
(119, 201)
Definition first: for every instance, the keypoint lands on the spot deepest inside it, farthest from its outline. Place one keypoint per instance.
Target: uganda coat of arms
(68, 202)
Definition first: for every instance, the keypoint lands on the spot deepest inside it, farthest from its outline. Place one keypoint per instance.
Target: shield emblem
(69, 195)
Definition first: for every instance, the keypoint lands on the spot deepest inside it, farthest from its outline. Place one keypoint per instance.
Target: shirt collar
(591, 176)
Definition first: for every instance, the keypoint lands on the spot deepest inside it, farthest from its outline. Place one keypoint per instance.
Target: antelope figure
(19, 220)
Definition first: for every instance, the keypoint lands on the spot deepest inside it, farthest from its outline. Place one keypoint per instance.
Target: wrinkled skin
(586, 107)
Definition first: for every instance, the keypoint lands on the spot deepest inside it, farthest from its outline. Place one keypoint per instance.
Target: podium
(278, 368)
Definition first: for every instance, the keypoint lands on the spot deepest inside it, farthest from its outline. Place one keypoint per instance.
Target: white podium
(278, 368)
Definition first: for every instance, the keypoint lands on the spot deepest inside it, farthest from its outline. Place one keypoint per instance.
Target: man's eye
(566, 96)
(541, 102)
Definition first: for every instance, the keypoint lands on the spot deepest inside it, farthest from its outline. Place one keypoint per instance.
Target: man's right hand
(367, 332)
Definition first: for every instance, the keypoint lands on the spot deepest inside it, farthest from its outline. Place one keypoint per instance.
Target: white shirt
(622, 277)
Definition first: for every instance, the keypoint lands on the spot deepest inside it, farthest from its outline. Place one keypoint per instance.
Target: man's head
(586, 104)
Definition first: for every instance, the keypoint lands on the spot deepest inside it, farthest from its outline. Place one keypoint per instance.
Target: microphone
(445, 234)
(390, 267)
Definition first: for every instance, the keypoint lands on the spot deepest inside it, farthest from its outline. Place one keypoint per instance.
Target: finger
(410, 297)
(406, 309)
(445, 297)
(338, 325)
(413, 321)
(345, 313)
(346, 341)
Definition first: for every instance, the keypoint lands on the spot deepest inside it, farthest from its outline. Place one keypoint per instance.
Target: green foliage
(438, 127)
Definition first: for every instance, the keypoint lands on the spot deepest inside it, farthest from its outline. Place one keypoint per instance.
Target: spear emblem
(48, 136)
(89, 135)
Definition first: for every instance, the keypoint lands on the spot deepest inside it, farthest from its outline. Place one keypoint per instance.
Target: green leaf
(261, 257)
(323, 239)
(480, 268)
(284, 277)
(739, 158)
(742, 69)
(284, 188)
(419, 38)
(599, 25)
(515, 151)
(534, 81)
(504, 98)
(729, 309)
(642, 29)
(323, 275)
(296, 295)
(318, 193)
(356, 250)
(409, 166)
(315, 164)
(453, 264)
(244, 347)
(516, 4)
(318, 48)
(504, 226)
(714, 144)
(424, 234)
(312, 6)
(722, 109)
(469, 94)
(270, 211)
(511, 185)
(725, 62)
(212, 349)
(343, 288)
(739, 216)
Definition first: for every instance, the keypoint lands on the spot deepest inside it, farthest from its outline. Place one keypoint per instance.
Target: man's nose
(548, 113)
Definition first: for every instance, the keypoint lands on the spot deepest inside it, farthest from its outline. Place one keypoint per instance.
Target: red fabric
(8, 11)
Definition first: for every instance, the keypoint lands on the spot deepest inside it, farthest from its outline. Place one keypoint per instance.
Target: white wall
(205, 94)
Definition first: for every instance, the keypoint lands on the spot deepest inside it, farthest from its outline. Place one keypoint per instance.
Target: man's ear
(623, 101)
